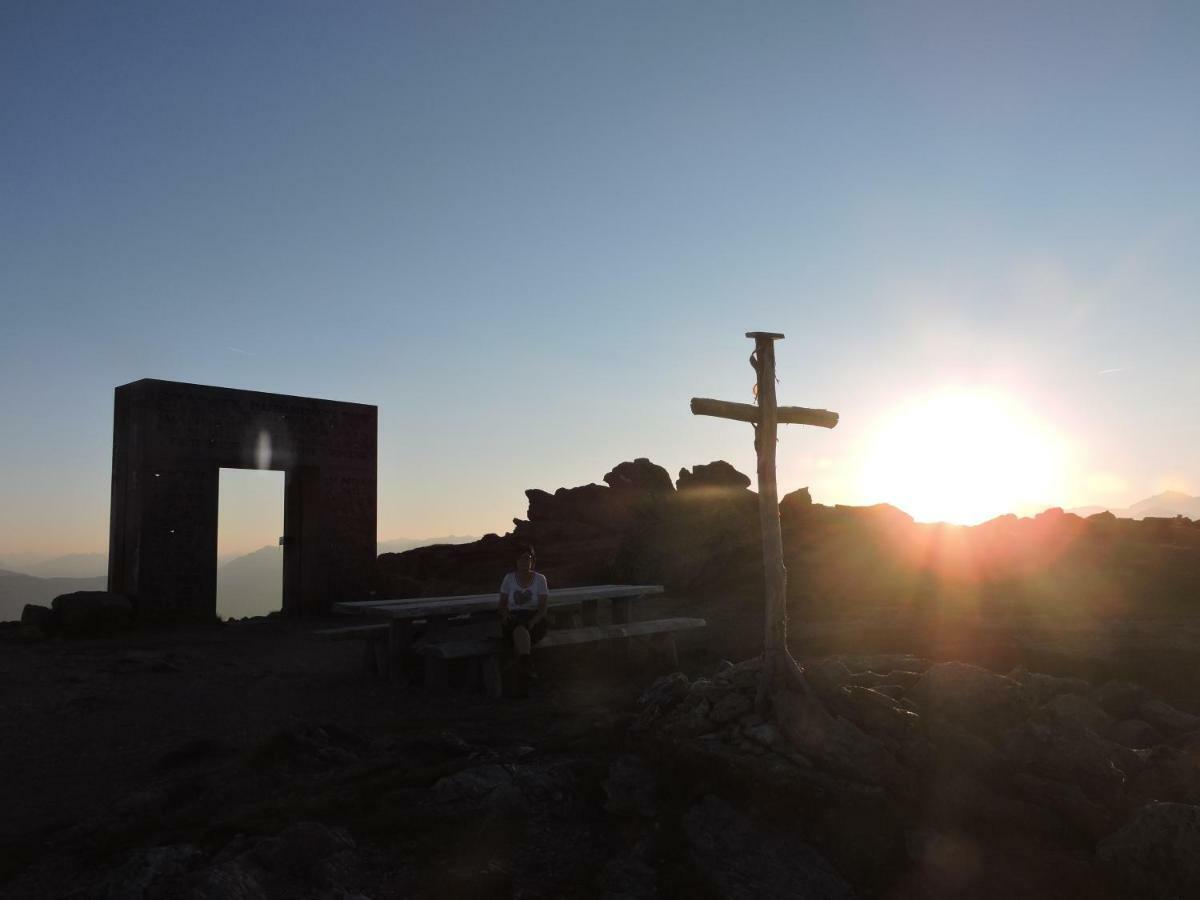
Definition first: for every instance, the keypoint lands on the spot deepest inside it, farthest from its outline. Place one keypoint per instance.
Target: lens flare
(262, 450)
(963, 456)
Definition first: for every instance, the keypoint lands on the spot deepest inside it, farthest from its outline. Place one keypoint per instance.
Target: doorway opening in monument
(249, 556)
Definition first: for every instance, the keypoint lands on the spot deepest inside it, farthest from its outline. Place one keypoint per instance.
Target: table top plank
(424, 607)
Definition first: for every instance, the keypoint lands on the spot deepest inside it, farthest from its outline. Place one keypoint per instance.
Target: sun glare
(963, 456)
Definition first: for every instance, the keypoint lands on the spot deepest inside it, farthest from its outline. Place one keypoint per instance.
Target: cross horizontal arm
(745, 412)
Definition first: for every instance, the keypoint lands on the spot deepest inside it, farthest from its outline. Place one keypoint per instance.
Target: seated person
(524, 596)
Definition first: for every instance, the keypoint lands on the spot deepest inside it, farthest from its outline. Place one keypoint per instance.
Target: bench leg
(620, 610)
(398, 640)
(587, 612)
(490, 668)
(437, 672)
(665, 644)
(379, 654)
(472, 677)
(369, 658)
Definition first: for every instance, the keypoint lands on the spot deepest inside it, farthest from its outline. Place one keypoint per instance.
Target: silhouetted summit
(841, 560)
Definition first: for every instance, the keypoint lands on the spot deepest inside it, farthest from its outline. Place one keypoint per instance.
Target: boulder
(1166, 718)
(743, 675)
(640, 475)
(1170, 775)
(1133, 733)
(954, 749)
(471, 786)
(1157, 854)
(1120, 699)
(979, 700)
(1068, 801)
(834, 743)
(967, 800)
(796, 503)
(1072, 755)
(1043, 688)
(716, 476)
(867, 679)
(91, 612)
(903, 677)
(1077, 710)
(885, 662)
(665, 692)
(827, 676)
(544, 783)
(877, 714)
(40, 617)
(767, 735)
(730, 707)
(577, 513)
(745, 861)
(690, 718)
(1189, 743)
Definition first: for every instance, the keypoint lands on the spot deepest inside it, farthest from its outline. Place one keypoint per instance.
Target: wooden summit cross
(778, 665)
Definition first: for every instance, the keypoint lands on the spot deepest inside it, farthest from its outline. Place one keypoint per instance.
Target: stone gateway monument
(169, 442)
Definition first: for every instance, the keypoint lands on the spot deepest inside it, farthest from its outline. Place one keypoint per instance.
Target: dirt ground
(89, 724)
(207, 735)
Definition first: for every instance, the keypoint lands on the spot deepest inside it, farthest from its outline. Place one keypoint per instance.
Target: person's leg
(522, 642)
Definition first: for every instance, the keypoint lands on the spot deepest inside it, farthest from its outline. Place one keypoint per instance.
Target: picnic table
(400, 617)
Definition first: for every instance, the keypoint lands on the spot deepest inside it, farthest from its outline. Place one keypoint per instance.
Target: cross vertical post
(774, 571)
(778, 665)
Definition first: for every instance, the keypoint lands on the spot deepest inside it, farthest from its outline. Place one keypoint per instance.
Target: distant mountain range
(92, 565)
(1166, 505)
(399, 545)
(17, 589)
(247, 585)
(252, 585)
(73, 565)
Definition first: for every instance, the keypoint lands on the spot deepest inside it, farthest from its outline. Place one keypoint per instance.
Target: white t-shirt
(524, 598)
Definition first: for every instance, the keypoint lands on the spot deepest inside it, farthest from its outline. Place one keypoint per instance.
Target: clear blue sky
(531, 232)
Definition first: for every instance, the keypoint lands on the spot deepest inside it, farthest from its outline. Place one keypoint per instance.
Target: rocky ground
(922, 779)
(250, 761)
(247, 761)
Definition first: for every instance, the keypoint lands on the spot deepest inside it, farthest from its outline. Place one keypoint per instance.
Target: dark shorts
(522, 617)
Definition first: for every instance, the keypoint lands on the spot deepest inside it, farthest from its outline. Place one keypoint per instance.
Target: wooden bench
(565, 604)
(490, 648)
(374, 637)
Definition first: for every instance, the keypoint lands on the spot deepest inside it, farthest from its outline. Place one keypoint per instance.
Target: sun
(963, 456)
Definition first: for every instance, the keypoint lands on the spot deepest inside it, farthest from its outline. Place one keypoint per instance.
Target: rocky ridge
(699, 535)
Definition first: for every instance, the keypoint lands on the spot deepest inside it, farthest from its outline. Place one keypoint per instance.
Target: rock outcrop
(1022, 762)
(701, 535)
(77, 614)
(713, 477)
(636, 527)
